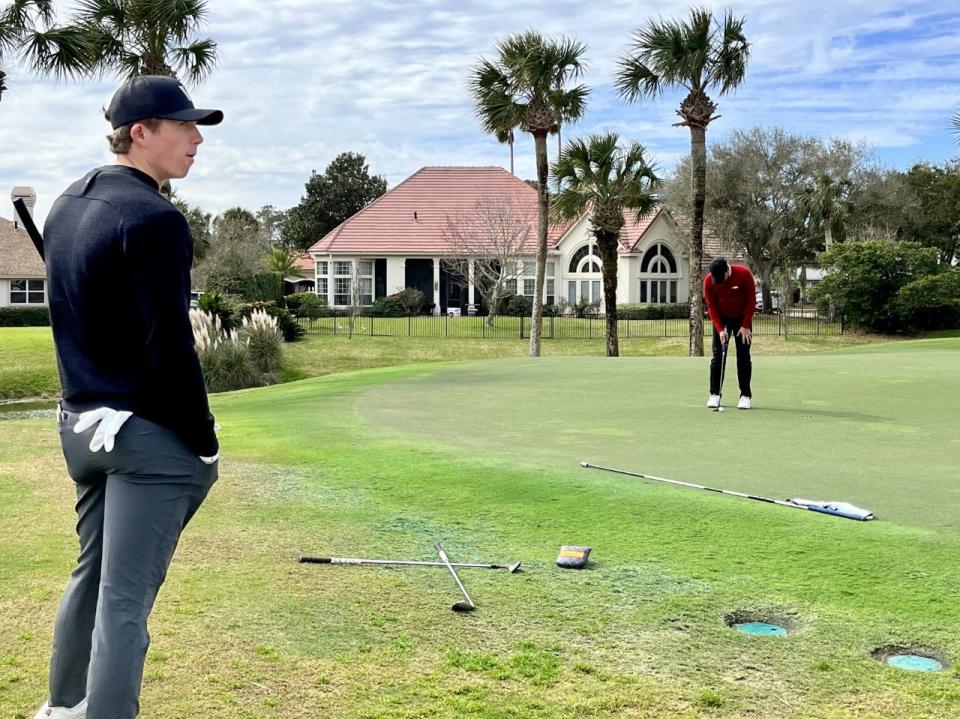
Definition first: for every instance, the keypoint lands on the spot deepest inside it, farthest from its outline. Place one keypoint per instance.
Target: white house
(22, 272)
(398, 241)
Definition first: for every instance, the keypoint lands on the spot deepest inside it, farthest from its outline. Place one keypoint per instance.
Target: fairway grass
(483, 457)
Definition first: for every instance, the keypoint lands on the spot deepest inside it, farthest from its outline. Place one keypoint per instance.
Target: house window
(659, 276)
(530, 281)
(323, 287)
(322, 269)
(27, 292)
(341, 290)
(343, 267)
(366, 290)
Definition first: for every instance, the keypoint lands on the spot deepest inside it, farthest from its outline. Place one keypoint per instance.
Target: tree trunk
(698, 155)
(607, 244)
(494, 300)
(827, 233)
(511, 158)
(536, 325)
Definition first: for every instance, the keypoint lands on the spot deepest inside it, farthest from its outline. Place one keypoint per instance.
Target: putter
(723, 372)
(838, 509)
(515, 567)
(466, 605)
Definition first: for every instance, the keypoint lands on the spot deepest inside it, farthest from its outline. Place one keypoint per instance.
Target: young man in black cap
(134, 423)
(730, 294)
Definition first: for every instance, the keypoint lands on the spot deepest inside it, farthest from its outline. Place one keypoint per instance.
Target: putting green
(876, 429)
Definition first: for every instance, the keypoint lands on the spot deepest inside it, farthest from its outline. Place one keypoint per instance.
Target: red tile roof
(305, 262)
(411, 218)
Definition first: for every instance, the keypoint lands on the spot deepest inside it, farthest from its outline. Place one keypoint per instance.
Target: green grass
(483, 457)
(28, 367)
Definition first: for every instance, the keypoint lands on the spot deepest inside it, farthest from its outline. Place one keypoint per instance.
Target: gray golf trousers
(132, 504)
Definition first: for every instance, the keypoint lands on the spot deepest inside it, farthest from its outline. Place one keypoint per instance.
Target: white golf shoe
(49, 712)
(744, 403)
(714, 401)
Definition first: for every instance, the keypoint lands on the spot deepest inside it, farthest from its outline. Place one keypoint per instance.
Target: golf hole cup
(573, 557)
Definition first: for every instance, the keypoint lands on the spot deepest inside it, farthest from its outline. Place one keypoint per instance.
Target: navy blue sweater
(118, 257)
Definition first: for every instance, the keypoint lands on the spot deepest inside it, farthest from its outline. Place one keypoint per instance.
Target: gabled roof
(632, 232)
(411, 218)
(18, 256)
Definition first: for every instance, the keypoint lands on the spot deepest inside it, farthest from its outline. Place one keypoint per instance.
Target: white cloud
(303, 80)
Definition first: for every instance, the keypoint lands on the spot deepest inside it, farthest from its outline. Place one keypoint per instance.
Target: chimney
(29, 198)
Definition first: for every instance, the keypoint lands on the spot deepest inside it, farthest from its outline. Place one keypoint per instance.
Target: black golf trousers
(744, 364)
(132, 504)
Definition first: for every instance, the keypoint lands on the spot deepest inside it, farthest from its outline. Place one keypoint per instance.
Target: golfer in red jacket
(730, 293)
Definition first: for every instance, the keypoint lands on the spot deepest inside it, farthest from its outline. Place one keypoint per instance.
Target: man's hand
(108, 421)
(746, 335)
(724, 336)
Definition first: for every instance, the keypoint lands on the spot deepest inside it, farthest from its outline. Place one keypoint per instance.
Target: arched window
(586, 264)
(659, 276)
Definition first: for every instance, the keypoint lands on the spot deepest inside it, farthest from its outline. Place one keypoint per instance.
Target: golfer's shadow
(856, 416)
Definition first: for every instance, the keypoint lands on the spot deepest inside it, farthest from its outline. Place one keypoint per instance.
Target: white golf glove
(110, 421)
(214, 458)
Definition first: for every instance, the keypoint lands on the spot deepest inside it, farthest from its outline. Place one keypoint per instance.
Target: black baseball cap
(156, 96)
(718, 268)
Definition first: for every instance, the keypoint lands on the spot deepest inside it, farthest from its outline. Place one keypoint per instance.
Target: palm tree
(526, 88)
(284, 263)
(956, 126)
(505, 137)
(148, 37)
(27, 31)
(698, 55)
(826, 204)
(605, 179)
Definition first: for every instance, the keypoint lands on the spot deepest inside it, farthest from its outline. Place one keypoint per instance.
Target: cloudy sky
(302, 80)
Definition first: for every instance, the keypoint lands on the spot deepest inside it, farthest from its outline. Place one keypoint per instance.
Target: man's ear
(138, 132)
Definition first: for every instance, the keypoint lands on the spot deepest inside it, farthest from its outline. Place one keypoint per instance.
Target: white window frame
(30, 290)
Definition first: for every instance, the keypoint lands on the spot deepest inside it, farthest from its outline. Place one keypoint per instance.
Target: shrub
(24, 317)
(263, 287)
(584, 308)
(512, 305)
(628, 311)
(307, 304)
(386, 307)
(224, 358)
(931, 302)
(222, 305)
(865, 277)
(262, 335)
(410, 299)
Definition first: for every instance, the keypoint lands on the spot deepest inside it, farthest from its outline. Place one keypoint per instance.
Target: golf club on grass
(838, 509)
(723, 372)
(467, 604)
(515, 567)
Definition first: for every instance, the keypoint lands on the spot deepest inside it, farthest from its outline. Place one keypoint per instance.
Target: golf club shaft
(27, 221)
(358, 561)
(723, 369)
(445, 560)
(781, 502)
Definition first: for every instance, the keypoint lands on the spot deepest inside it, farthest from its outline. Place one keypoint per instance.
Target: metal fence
(798, 320)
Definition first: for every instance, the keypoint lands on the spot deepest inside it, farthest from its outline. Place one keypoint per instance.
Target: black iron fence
(798, 320)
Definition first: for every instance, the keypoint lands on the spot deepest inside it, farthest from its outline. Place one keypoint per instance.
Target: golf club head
(463, 606)
(719, 409)
(514, 567)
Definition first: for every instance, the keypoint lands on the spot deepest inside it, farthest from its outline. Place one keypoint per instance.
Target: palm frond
(730, 63)
(61, 52)
(956, 127)
(635, 80)
(198, 59)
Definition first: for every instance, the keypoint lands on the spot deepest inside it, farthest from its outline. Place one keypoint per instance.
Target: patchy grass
(478, 456)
